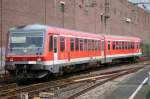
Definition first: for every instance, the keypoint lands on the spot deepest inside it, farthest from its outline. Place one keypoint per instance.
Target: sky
(146, 5)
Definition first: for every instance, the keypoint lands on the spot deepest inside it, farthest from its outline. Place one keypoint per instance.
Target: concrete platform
(135, 87)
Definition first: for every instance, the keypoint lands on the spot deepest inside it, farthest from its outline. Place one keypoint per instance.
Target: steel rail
(52, 85)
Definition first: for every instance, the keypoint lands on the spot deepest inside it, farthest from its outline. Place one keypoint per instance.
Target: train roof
(55, 29)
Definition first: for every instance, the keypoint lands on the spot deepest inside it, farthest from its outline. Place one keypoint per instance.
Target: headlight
(39, 59)
(11, 59)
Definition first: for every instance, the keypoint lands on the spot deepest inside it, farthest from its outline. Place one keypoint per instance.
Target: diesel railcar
(35, 51)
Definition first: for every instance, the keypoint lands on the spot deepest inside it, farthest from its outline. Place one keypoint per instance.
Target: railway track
(4, 76)
(79, 85)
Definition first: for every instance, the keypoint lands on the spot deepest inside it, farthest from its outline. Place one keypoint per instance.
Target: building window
(62, 44)
(62, 6)
(72, 44)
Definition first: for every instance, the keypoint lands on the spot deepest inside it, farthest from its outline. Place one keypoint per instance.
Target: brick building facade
(118, 17)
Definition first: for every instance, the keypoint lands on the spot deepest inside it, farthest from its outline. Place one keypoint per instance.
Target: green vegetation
(145, 49)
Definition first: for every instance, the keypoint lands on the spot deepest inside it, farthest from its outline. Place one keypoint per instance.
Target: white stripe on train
(89, 58)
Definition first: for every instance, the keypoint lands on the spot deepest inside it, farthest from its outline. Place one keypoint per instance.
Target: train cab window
(62, 44)
(108, 45)
(77, 44)
(51, 43)
(72, 44)
(81, 45)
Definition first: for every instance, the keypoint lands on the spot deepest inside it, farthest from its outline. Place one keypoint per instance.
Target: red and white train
(35, 51)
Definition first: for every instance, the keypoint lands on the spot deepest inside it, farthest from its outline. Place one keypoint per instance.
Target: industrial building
(118, 17)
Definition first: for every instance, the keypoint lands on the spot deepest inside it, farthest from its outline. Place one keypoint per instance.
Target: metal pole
(1, 37)
(74, 14)
(149, 79)
(45, 12)
(105, 20)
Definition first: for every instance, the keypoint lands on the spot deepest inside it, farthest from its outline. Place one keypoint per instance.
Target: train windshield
(25, 43)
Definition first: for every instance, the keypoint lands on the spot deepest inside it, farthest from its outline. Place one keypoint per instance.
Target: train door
(55, 37)
(102, 51)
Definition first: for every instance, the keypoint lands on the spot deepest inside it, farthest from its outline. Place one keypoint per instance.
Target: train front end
(25, 52)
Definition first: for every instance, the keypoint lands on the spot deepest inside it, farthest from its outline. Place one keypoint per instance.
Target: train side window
(137, 45)
(108, 45)
(81, 45)
(51, 43)
(126, 45)
(116, 45)
(62, 44)
(95, 44)
(102, 45)
(113, 45)
(92, 44)
(77, 44)
(55, 44)
(99, 45)
(85, 44)
(122, 45)
(89, 45)
(132, 45)
(72, 44)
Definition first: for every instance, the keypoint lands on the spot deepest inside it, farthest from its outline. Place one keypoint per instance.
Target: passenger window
(51, 43)
(99, 45)
(55, 45)
(113, 45)
(81, 45)
(123, 45)
(92, 44)
(137, 45)
(102, 46)
(77, 44)
(89, 44)
(72, 44)
(108, 45)
(85, 44)
(62, 44)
